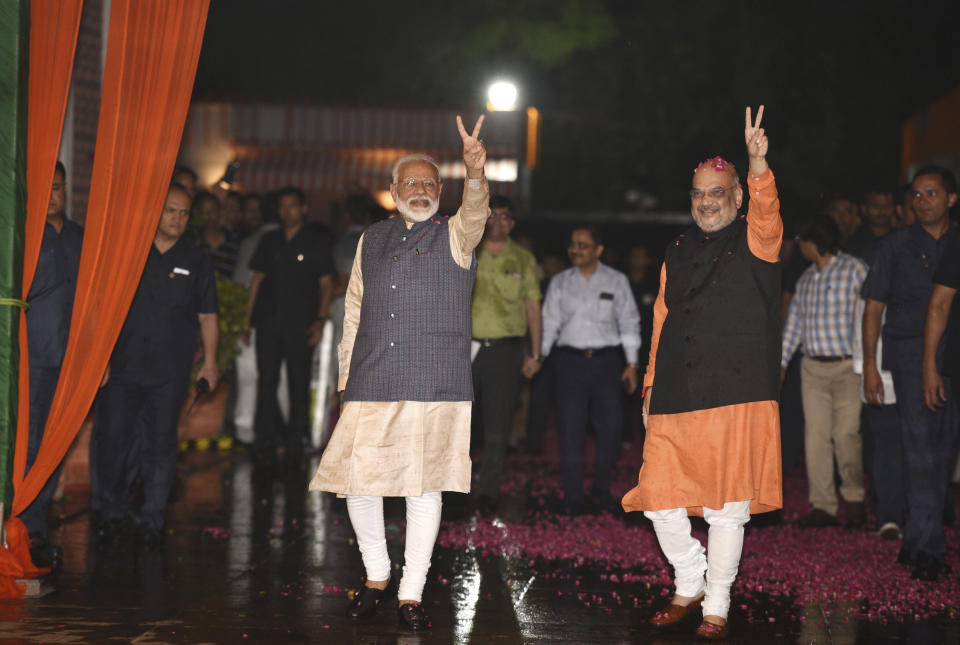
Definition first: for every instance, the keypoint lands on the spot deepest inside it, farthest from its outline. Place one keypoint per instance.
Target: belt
(506, 340)
(590, 352)
(829, 359)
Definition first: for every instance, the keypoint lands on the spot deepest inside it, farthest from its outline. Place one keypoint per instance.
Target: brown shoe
(817, 519)
(673, 614)
(712, 631)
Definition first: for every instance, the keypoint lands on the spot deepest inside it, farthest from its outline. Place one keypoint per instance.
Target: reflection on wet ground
(252, 557)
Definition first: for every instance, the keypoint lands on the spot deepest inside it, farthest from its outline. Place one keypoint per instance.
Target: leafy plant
(232, 298)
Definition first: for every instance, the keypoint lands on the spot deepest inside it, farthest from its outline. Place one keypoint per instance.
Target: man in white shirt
(590, 315)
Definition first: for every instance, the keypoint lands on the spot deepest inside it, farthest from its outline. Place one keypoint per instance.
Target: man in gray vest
(405, 374)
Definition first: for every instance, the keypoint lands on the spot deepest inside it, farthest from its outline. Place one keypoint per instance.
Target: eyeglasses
(715, 193)
(500, 215)
(428, 184)
(580, 245)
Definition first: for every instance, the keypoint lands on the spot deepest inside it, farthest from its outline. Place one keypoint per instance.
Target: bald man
(711, 387)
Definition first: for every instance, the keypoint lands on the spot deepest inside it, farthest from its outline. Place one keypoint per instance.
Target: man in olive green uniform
(506, 306)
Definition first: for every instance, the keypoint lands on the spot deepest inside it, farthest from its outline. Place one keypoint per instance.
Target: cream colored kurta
(402, 448)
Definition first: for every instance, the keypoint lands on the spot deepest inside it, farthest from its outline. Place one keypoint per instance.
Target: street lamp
(502, 96)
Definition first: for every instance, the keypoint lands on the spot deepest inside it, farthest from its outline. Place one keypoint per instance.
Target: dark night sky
(632, 93)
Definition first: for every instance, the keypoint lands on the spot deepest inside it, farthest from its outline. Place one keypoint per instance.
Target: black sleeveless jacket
(720, 342)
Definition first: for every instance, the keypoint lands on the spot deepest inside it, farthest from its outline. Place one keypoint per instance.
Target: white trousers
(686, 554)
(423, 524)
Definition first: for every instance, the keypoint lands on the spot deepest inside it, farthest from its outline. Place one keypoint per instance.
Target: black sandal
(365, 603)
(413, 616)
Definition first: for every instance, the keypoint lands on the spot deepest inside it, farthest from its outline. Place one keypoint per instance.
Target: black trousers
(274, 346)
(929, 449)
(791, 416)
(883, 425)
(588, 389)
(496, 384)
(135, 433)
(542, 390)
(43, 384)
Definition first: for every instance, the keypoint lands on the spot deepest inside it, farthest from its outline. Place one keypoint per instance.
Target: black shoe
(571, 508)
(818, 518)
(149, 539)
(607, 503)
(364, 604)
(110, 532)
(762, 520)
(412, 616)
(856, 515)
(486, 505)
(904, 558)
(928, 568)
(44, 554)
(264, 457)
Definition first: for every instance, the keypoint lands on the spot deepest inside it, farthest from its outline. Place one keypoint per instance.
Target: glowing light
(502, 96)
(385, 199)
(495, 170)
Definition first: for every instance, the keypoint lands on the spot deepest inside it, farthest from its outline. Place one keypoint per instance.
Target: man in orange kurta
(710, 391)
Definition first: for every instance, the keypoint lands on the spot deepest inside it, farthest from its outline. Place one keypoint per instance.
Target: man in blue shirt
(135, 424)
(900, 281)
(48, 325)
(590, 315)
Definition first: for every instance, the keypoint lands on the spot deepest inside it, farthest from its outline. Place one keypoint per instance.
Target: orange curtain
(54, 26)
(152, 52)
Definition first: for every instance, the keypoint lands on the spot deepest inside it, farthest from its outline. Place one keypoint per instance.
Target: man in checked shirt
(821, 317)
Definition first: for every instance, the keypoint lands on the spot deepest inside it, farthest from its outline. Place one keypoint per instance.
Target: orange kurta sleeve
(659, 315)
(764, 224)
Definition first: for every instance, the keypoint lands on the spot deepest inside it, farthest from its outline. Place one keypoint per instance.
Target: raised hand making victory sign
(756, 143)
(474, 152)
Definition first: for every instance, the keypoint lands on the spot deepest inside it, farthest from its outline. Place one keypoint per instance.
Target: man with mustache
(713, 443)
(405, 374)
(592, 328)
(506, 307)
(900, 283)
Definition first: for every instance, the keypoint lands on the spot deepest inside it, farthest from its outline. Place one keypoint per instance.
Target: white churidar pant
(423, 524)
(686, 554)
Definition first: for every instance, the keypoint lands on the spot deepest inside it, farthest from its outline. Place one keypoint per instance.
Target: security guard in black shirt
(135, 425)
(48, 325)
(289, 296)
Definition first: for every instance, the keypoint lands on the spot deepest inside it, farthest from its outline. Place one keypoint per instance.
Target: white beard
(418, 214)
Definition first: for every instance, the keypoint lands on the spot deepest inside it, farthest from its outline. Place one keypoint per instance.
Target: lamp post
(504, 96)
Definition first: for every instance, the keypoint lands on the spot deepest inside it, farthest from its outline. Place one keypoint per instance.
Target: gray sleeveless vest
(413, 341)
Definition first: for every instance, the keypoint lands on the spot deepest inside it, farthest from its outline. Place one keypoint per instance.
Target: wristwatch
(536, 357)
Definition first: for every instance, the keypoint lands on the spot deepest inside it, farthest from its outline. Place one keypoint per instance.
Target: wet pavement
(251, 557)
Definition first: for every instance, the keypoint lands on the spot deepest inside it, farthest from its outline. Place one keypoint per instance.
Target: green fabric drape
(14, 31)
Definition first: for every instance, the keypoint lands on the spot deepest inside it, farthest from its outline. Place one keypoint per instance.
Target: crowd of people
(740, 356)
(866, 362)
